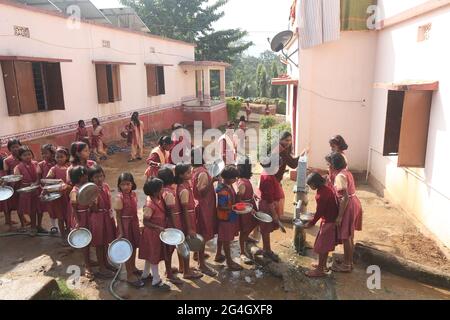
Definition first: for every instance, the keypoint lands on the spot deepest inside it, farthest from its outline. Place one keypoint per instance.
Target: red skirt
(29, 203)
(266, 227)
(151, 247)
(58, 209)
(228, 230)
(12, 204)
(326, 238)
(3, 206)
(102, 227)
(131, 230)
(206, 221)
(279, 192)
(178, 218)
(347, 228)
(247, 223)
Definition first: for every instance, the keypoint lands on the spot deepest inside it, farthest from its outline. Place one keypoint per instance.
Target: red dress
(191, 208)
(352, 218)
(247, 222)
(45, 167)
(83, 212)
(175, 211)
(205, 208)
(327, 211)
(151, 247)
(129, 218)
(101, 224)
(228, 229)
(13, 202)
(28, 201)
(82, 135)
(59, 208)
(269, 194)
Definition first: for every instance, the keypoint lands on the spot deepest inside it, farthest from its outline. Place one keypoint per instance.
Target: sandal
(342, 268)
(272, 256)
(193, 276)
(246, 260)
(139, 158)
(137, 284)
(316, 273)
(161, 286)
(54, 230)
(175, 280)
(220, 259)
(209, 272)
(196, 256)
(42, 230)
(146, 280)
(104, 275)
(131, 160)
(234, 267)
(316, 266)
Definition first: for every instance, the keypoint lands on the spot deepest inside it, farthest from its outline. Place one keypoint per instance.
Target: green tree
(191, 21)
(274, 89)
(261, 76)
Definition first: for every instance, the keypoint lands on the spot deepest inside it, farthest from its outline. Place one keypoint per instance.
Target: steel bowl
(79, 238)
(306, 217)
(28, 189)
(183, 249)
(51, 181)
(195, 243)
(120, 251)
(216, 168)
(6, 193)
(12, 178)
(53, 187)
(87, 194)
(51, 197)
(172, 237)
(248, 209)
(263, 217)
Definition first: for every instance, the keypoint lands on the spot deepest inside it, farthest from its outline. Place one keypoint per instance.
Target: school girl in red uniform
(79, 156)
(185, 194)
(125, 205)
(174, 220)
(80, 213)
(59, 208)
(228, 220)
(152, 249)
(327, 211)
(269, 186)
(101, 222)
(82, 134)
(205, 207)
(245, 193)
(9, 163)
(158, 156)
(350, 210)
(48, 161)
(97, 143)
(29, 201)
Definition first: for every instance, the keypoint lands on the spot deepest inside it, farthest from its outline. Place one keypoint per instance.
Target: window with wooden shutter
(152, 85)
(102, 85)
(25, 86)
(53, 86)
(32, 84)
(160, 80)
(115, 73)
(407, 121)
(12, 96)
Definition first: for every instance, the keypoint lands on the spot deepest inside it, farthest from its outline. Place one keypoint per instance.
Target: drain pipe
(113, 282)
(12, 234)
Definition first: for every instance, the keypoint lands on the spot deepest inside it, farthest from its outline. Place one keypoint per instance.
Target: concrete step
(29, 288)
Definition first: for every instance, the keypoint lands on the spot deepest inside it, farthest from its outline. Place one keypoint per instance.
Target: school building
(66, 60)
(377, 72)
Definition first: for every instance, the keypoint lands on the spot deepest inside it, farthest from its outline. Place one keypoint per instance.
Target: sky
(261, 18)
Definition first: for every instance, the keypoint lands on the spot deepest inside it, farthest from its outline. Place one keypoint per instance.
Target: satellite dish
(280, 41)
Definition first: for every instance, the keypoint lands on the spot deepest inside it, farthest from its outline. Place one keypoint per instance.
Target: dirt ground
(384, 227)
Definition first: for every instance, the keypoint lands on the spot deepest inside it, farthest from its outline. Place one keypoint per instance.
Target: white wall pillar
(199, 79)
(222, 84)
(207, 85)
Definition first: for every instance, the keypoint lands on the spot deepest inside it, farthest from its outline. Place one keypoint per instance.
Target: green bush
(267, 122)
(233, 108)
(281, 107)
(285, 126)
